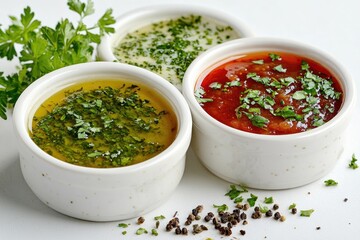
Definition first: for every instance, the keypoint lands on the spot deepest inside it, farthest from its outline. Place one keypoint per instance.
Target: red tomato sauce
(278, 94)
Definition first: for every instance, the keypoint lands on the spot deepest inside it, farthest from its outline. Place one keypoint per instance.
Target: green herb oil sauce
(104, 124)
(168, 47)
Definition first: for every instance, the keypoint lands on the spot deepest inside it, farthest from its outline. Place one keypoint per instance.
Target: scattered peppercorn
(282, 218)
(345, 199)
(140, 220)
(268, 213)
(245, 222)
(277, 216)
(293, 210)
(242, 232)
(275, 207)
(246, 206)
(178, 231)
(318, 228)
(184, 231)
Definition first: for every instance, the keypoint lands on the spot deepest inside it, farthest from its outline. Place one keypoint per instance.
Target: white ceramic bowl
(140, 17)
(101, 194)
(264, 161)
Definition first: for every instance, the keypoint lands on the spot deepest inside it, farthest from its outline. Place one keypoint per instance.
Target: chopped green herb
(263, 209)
(306, 213)
(238, 199)
(304, 65)
(292, 206)
(234, 83)
(353, 163)
(215, 85)
(330, 182)
(161, 217)
(280, 68)
(287, 112)
(268, 200)
(287, 81)
(299, 95)
(123, 232)
(221, 208)
(274, 56)
(141, 231)
(154, 232)
(199, 96)
(259, 62)
(252, 200)
(123, 225)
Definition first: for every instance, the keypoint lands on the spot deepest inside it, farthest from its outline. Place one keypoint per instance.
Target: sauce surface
(270, 93)
(168, 47)
(102, 124)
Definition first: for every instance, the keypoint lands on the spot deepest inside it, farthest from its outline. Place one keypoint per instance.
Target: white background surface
(331, 25)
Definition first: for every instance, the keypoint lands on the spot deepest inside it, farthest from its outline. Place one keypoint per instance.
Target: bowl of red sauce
(268, 113)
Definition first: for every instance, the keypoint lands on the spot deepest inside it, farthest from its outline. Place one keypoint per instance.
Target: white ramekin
(263, 161)
(100, 194)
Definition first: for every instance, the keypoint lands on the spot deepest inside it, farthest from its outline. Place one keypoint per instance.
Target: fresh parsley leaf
(161, 217)
(257, 120)
(263, 209)
(141, 231)
(279, 68)
(252, 200)
(353, 163)
(221, 208)
(299, 95)
(306, 213)
(215, 85)
(42, 49)
(274, 56)
(123, 225)
(304, 65)
(239, 199)
(269, 200)
(259, 62)
(287, 112)
(330, 182)
(292, 206)
(154, 232)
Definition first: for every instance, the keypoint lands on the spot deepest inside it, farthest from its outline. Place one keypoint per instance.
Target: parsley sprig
(42, 49)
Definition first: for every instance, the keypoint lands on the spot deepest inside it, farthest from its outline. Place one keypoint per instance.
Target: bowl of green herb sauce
(102, 141)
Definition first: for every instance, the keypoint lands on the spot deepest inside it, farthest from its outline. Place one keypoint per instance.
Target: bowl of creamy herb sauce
(167, 38)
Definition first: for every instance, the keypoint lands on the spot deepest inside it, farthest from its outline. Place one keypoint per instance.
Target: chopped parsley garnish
(161, 217)
(330, 182)
(257, 120)
(234, 193)
(274, 56)
(252, 200)
(292, 206)
(84, 135)
(215, 85)
(353, 163)
(280, 68)
(221, 208)
(259, 62)
(154, 232)
(141, 231)
(263, 209)
(123, 225)
(306, 213)
(269, 200)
